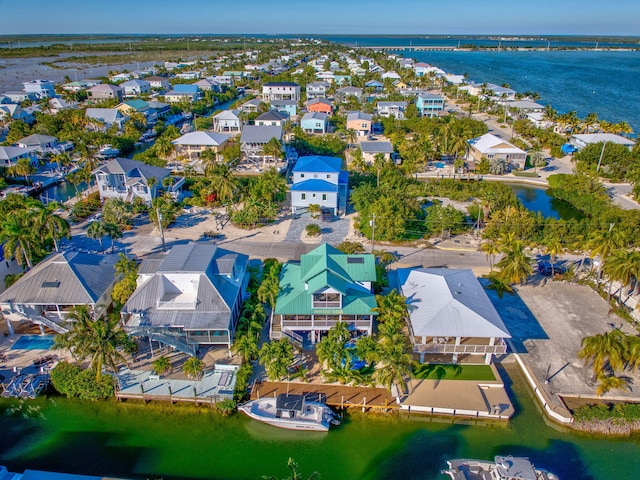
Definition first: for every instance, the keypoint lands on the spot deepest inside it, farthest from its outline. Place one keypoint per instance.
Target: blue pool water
(33, 342)
(439, 164)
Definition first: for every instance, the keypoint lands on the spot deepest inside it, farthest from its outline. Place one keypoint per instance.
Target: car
(548, 268)
(371, 137)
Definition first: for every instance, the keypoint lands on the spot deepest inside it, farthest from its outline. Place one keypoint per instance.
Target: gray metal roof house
(188, 297)
(46, 294)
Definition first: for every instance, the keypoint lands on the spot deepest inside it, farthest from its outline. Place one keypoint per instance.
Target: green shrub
(73, 381)
(313, 230)
(226, 407)
(621, 412)
(242, 381)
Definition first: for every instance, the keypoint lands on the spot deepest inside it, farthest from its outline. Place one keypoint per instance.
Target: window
(328, 175)
(355, 259)
(327, 300)
(303, 196)
(302, 175)
(324, 197)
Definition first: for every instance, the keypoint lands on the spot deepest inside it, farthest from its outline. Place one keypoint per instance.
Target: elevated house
(254, 138)
(581, 140)
(251, 106)
(9, 156)
(280, 91)
(47, 293)
(451, 315)
(315, 122)
(158, 83)
(39, 142)
(319, 180)
(288, 107)
(192, 144)
(392, 109)
(135, 88)
(41, 88)
(271, 118)
(189, 297)
(105, 91)
(317, 90)
(320, 105)
(326, 286)
(11, 111)
(360, 122)
(371, 149)
(349, 91)
(58, 104)
(106, 117)
(139, 106)
(491, 147)
(227, 121)
(126, 179)
(183, 93)
(429, 104)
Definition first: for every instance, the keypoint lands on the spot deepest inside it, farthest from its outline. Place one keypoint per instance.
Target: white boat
(294, 412)
(108, 151)
(503, 468)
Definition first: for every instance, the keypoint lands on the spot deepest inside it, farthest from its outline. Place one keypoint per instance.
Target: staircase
(175, 342)
(51, 324)
(293, 338)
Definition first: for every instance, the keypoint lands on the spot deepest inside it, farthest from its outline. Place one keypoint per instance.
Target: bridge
(418, 48)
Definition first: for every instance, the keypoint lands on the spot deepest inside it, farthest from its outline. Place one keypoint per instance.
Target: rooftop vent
(355, 260)
(54, 284)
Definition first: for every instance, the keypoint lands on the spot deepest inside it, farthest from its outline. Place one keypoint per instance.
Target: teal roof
(137, 104)
(327, 268)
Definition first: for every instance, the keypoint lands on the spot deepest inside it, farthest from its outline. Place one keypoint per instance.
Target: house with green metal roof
(326, 286)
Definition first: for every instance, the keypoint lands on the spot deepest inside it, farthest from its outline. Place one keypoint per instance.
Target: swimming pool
(33, 342)
(439, 164)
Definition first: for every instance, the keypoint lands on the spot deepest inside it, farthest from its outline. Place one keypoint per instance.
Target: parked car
(548, 268)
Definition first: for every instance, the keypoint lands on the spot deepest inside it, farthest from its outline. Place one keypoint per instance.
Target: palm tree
(246, 346)
(491, 248)
(276, 356)
(396, 365)
(538, 159)
(193, 368)
(50, 224)
(113, 231)
(604, 350)
(553, 247)
(602, 243)
(515, 265)
(20, 241)
(162, 365)
(223, 182)
(391, 307)
(97, 230)
(273, 149)
(385, 258)
(23, 167)
(497, 166)
(611, 382)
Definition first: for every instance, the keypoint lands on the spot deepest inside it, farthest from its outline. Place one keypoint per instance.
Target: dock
(338, 396)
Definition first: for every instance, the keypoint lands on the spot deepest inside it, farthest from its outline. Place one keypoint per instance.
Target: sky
(515, 17)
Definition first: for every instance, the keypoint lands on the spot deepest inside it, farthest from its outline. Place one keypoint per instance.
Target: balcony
(468, 347)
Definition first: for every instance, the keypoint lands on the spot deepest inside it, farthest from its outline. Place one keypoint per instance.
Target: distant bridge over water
(417, 48)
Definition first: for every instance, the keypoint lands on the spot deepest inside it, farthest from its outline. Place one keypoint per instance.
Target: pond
(539, 200)
(134, 440)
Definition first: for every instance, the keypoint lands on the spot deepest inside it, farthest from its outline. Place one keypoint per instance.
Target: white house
(280, 91)
(192, 144)
(583, 139)
(227, 121)
(491, 147)
(41, 88)
(135, 88)
(392, 109)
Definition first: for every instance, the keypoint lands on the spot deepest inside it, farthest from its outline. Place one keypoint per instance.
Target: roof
(9, 153)
(137, 104)
(318, 163)
(449, 303)
(490, 143)
(195, 286)
(283, 103)
(524, 105)
(201, 138)
(376, 147)
(603, 137)
(133, 169)
(323, 268)
(68, 278)
(135, 83)
(315, 116)
(280, 84)
(314, 185)
(430, 96)
(185, 88)
(392, 104)
(260, 133)
(359, 116)
(227, 115)
(354, 90)
(36, 140)
(315, 101)
(272, 116)
(104, 87)
(109, 115)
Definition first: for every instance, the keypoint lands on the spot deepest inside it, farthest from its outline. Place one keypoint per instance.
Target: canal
(538, 199)
(162, 441)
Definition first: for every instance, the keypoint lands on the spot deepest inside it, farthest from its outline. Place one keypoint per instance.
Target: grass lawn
(452, 372)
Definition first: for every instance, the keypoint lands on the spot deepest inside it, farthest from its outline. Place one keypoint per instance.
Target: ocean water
(586, 81)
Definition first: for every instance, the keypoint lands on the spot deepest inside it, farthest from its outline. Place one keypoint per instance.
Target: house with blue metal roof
(326, 286)
(321, 181)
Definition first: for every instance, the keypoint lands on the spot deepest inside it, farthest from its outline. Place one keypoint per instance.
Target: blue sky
(519, 17)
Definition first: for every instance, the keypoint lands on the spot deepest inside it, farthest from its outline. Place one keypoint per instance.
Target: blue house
(375, 85)
(321, 181)
(429, 104)
(314, 122)
(182, 92)
(290, 107)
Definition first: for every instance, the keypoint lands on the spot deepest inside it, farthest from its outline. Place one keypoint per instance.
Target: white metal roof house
(582, 140)
(106, 116)
(188, 297)
(227, 121)
(192, 144)
(489, 146)
(47, 292)
(451, 314)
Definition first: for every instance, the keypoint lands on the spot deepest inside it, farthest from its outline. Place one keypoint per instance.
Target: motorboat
(293, 412)
(108, 151)
(502, 468)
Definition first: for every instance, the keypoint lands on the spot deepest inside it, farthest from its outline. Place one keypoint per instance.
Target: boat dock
(338, 396)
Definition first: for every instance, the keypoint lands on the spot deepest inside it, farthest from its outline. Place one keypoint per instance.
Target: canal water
(135, 440)
(539, 200)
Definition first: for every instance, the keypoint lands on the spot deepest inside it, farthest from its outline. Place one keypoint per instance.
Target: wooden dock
(338, 396)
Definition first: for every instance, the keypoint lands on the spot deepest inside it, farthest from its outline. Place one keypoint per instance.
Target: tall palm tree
(23, 167)
(51, 225)
(97, 230)
(554, 247)
(20, 240)
(223, 182)
(391, 307)
(491, 248)
(515, 265)
(246, 346)
(395, 367)
(113, 231)
(611, 382)
(273, 149)
(276, 356)
(602, 243)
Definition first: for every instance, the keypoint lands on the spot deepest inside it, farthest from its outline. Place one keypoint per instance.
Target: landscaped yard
(453, 372)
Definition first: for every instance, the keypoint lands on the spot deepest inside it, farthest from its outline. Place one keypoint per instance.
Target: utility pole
(373, 231)
(160, 227)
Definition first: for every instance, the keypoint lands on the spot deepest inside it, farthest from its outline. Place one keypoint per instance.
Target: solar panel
(55, 284)
(355, 260)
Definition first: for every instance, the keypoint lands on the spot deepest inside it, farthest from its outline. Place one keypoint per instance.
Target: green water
(160, 441)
